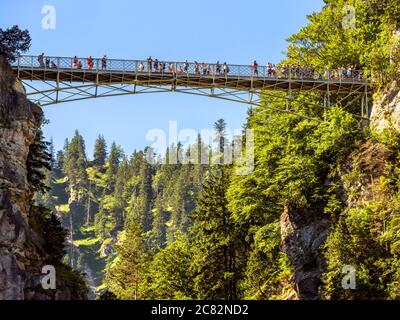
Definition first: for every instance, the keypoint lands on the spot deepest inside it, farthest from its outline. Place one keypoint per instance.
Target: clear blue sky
(207, 30)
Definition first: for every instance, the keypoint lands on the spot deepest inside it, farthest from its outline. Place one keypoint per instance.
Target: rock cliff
(22, 253)
(303, 232)
(386, 108)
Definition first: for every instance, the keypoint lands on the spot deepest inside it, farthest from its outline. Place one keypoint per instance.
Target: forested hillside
(324, 194)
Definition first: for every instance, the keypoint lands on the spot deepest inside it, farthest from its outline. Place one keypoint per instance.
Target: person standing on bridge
(155, 65)
(90, 62)
(204, 68)
(218, 68)
(171, 67)
(141, 67)
(269, 70)
(209, 70)
(41, 60)
(284, 71)
(226, 69)
(179, 69)
(75, 63)
(186, 67)
(255, 68)
(274, 70)
(149, 64)
(159, 66)
(350, 71)
(196, 68)
(104, 62)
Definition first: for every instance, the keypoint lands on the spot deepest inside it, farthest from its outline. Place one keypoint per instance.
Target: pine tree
(120, 194)
(158, 234)
(125, 275)
(114, 159)
(145, 196)
(100, 152)
(38, 164)
(216, 240)
(58, 167)
(220, 135)
(76, 163)
(50, 235)
(13, 42)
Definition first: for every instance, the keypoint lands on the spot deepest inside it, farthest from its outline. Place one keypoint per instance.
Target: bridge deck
(53, 80)
(240, 77)
(202, 81)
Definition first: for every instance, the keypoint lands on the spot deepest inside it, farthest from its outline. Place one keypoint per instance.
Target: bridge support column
(362, 105)
(251, 97)
(366, 102)
(328, 94)
(289, 96)
(136, 80)
(57, 85)
(325, 105)
(364, 110)
(97, 82)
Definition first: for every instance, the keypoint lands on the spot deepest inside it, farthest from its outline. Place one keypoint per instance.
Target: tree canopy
(13, 42)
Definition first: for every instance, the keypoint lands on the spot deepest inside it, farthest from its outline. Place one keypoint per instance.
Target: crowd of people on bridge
(196, 68)
(218, 69)
(45, 62)
(309, 72)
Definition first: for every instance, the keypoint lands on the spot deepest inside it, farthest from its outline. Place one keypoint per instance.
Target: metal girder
(64, 83)
(67, 92)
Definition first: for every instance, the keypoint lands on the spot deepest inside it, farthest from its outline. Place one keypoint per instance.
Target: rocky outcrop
(303, 232)
(22, 253)
(386, 108)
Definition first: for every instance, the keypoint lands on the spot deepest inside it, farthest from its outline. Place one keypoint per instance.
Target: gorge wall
(22, 249)
(360, 180)
(386, 108)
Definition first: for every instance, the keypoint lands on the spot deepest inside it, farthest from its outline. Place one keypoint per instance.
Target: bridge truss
(57, 81)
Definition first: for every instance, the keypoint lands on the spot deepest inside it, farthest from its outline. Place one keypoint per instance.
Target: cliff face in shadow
(303, 232)
(22, 248)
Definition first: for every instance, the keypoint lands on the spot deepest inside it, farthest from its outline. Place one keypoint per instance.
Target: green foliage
(294, 158)
(76, 163)
(13, 42)
(365, 235)
(100, 152)
(267, 270)
(45, 223)
(188, 231)
(38, 164)
(113, 162)
(168, 274)
(352, 244)
(217, 263)
(125, 274)
(73, 279)
(332, 40)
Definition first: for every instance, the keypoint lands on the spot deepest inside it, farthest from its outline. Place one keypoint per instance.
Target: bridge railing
(183, 68)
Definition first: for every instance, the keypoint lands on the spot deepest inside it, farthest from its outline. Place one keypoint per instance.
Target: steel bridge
(52, 80)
